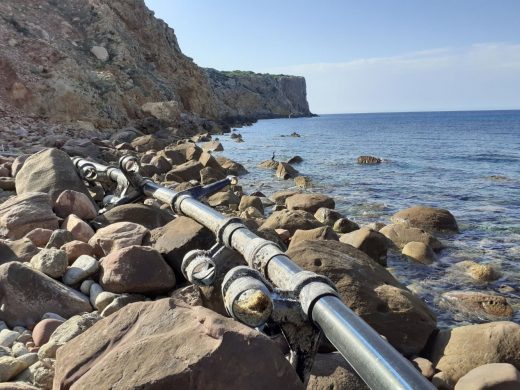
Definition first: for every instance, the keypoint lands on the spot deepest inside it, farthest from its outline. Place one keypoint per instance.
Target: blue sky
(363, 56)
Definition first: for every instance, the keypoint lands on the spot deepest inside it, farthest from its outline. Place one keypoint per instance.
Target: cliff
(253, 95)
(100, 61)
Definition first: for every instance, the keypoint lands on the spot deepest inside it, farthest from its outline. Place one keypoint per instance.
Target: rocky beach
(97, 299)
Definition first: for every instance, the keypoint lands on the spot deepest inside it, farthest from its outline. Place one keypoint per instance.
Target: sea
(466, 162)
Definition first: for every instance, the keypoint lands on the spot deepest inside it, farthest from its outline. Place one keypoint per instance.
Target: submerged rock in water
(401, 235)
(309, 202)
(430, 219)
(420, 252)
(478, 272)
(368, 160)
(476, 304)
(285, 171)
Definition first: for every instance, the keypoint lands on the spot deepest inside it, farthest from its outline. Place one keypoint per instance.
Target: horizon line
(416, 111)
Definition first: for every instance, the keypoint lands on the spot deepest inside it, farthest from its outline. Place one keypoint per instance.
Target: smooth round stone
(43, 330)
(81, 269)
(104, 299)
(85, 286)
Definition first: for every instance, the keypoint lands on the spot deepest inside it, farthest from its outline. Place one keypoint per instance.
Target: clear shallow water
(466, 162)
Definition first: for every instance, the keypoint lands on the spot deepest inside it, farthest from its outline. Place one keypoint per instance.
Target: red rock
(43, 330)
(39, 236)
(75, 249)
(80, 230)
(74, 202)
(136, 269)
(116, 236)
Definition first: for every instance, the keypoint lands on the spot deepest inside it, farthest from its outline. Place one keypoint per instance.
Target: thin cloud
(481, 76)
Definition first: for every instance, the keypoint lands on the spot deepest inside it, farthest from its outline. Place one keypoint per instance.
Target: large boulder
(457, 351)
(23, 213)
(148, 216)
(231, 167)
(179, 237)
(430, 219)
(309, 202)
(369, 241)
(371, 291)
(50, 171)
(401, 235)
(136, 269)
(419, 251)
(160, 345)
(291, 220)
(148, 142)
(26, 295)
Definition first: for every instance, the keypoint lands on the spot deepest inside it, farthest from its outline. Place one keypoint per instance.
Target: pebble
(43, 330)
(85, 286)
(104, 299)
(95, 290)
(81, 269)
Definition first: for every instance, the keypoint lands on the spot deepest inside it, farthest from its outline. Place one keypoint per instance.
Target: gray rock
(10, 367)
(19, 349)
(29, 358)
(67, 331)
(85, 286)
(52, 262)
(81, 269)
(100, 53)
(95, 290)
(120, 302)
(3, 325)
(8, 337)
(104, 299)
(58, 238)
(40, 374)
(26, 295)
(4, 351)
(53, 316)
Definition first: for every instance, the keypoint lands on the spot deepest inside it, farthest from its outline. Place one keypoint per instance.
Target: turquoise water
(466, 162)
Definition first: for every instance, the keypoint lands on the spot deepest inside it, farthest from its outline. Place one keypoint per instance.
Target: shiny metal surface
(373, 358)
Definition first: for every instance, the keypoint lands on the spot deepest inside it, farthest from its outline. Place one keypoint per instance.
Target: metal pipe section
(373, 358)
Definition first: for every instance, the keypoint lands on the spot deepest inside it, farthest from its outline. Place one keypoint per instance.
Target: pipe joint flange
(259, 252)
(199, 268)
(227, 229)
(309, 287)
(247, 296)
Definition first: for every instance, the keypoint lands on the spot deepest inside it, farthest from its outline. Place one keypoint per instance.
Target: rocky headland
(92, 300)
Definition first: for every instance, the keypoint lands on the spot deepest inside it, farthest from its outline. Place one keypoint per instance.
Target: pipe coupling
(309, 287)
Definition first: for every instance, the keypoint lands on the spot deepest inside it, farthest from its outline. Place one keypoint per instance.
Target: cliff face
(100, 61)
(252, 95)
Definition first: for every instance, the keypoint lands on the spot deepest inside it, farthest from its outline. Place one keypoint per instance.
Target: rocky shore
(93, 300)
